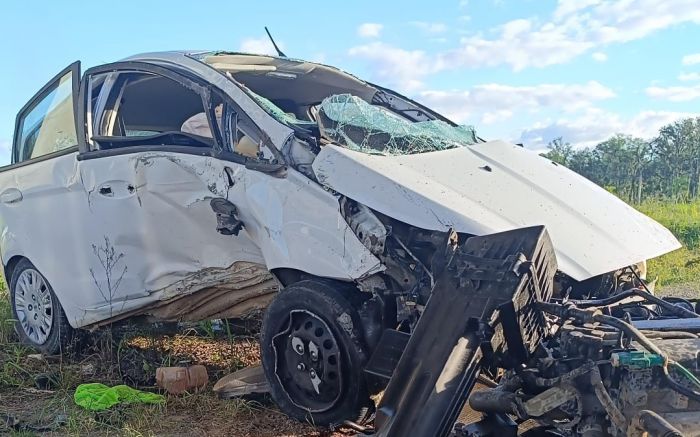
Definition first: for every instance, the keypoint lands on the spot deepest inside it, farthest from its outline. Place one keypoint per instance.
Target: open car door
(42, 202)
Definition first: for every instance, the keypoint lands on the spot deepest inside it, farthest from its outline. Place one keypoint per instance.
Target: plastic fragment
(177, 380)
(636, 359)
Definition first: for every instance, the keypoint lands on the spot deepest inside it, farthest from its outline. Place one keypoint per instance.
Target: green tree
(559, 151)
(634, 168)
(677, 148)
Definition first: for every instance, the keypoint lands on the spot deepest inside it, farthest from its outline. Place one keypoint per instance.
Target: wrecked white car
(188, 186)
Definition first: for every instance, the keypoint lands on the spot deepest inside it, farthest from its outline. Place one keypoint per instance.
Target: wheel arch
(10, 267)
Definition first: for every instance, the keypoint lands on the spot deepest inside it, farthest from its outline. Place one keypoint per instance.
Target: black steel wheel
(313, 355)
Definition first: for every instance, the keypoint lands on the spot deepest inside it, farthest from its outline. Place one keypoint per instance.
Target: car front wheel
(40, 320)
(313, 355)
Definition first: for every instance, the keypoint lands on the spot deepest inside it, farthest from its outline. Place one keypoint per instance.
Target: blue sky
(527, 71)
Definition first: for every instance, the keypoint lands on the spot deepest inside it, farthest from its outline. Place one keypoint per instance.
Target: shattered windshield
(351, 122)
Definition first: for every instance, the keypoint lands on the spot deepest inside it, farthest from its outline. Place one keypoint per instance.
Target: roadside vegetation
(635, 169)
(678, 272)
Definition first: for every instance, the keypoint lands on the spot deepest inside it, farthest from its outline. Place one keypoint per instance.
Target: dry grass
(133, 359)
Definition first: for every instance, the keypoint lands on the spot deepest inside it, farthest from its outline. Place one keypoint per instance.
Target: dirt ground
(36, 393)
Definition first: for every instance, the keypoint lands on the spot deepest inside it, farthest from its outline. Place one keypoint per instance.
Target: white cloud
(575, 27)
(519, 43)
(674, 93)
(599, 57)
(596, 126)
(496, 116)
(569, 7)
(691, 59)
(395, 66)
(369, 30)
(687, 77)
(259, 46)
(428, 27)
(497, 102)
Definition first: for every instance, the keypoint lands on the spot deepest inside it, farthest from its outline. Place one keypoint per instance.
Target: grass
(678, 271)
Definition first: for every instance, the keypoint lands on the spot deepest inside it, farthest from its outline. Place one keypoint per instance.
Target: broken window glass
(277, 112)
(351, 122)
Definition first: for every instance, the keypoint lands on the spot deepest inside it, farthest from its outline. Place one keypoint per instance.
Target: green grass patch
(7, 332)
(683, 265)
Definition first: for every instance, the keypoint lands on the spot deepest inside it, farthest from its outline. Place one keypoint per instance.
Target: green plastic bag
(96, 396)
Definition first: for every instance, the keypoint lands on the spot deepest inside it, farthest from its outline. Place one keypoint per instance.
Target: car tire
(39, 318)
(313, 355)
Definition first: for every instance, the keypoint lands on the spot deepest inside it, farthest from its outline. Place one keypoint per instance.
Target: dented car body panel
(152, 237)
(121, 224)
(495, 186)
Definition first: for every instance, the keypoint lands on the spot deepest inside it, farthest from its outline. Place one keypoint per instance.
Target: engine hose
(669, 334)
(680, 388)
(603, 396)
(495, 400)
(631, 331)
(654, 425)
(670, 307)
(579, 371)
(651, 347)
(586, 316)
(687, 373)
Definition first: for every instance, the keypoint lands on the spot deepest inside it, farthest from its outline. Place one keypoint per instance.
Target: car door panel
(43, 203)
(161, 232)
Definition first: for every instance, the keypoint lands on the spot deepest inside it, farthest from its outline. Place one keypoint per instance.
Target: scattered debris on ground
(37, 392)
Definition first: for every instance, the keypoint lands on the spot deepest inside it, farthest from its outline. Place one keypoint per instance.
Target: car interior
(148, 109)
(295, 87)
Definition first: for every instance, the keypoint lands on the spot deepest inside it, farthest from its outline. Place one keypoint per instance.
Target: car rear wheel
(313, 355)
(40, 320)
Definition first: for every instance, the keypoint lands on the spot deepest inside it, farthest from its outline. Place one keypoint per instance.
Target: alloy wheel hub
(34, 306)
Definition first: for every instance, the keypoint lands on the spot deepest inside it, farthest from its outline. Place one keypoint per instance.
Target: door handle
(11, 195)
(106, 191)
(229, 176)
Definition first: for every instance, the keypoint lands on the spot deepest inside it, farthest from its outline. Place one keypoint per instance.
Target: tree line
(635, 169)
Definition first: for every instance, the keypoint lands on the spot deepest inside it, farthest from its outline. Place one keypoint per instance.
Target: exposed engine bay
(598, 375)
(546, 364)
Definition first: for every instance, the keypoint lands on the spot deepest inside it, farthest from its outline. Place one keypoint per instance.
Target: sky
(526, 71)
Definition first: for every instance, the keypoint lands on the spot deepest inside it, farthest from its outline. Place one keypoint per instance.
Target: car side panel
(46, 225)
(298, 225)
(152, 236)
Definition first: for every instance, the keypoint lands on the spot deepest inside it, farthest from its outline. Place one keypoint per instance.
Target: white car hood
(497, 186)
